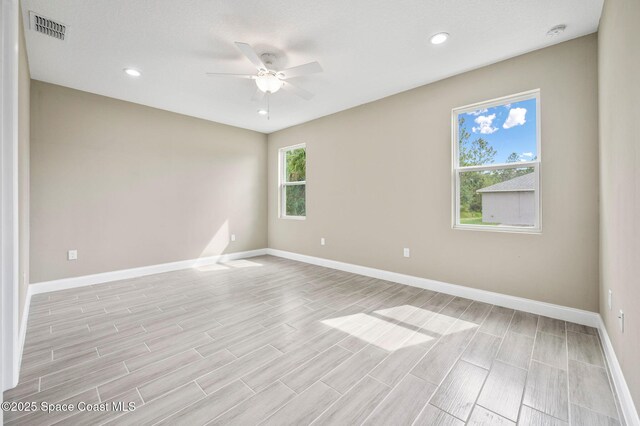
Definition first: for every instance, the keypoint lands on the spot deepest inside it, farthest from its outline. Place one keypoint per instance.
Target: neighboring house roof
(521, 183)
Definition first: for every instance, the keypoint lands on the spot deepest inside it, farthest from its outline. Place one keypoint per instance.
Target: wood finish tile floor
(274, 342)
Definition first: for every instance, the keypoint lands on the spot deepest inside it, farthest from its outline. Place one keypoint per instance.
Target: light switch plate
(321, 241)
(233, 237)
(72, 255)
(407, 252)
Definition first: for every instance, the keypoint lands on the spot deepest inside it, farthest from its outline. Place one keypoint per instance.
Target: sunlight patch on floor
(235, 264)
(404, 326)
(212, 267)
(385, 334)
(397, 313)
(242, 263)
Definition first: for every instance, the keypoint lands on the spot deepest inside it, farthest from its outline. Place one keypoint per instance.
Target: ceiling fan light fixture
(439, 38)
(268, 82)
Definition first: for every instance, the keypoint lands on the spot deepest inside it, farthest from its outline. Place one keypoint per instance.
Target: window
(293, 182)
(496, 164)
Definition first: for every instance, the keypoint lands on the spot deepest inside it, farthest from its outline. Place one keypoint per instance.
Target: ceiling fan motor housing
(269, 59)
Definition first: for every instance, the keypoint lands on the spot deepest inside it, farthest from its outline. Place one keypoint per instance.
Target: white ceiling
(369, 49)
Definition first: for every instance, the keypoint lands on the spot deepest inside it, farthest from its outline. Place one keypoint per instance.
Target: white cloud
(478, 112)
(516, 118)
(484, 123)
(526, 156)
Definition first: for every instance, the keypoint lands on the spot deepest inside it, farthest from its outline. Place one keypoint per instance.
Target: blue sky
(508, 128)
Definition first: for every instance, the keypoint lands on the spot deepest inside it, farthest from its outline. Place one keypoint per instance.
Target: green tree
(473, 153)
(296, 165)
(507, 174)
(296, 171)
(513, 157)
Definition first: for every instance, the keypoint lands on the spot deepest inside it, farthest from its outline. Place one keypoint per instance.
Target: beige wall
(379, 180)
(128, 185)
(619, 71)
(24, 82)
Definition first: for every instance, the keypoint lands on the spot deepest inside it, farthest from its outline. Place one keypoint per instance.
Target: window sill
(502, 229)
(294, 217)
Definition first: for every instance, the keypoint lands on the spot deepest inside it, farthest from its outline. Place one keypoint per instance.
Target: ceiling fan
(269, 80)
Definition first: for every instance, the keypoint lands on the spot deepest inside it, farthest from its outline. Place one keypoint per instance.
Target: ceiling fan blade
(248, 76)
(258, 95)
(297, 90)
(300, 70)
(251, 55)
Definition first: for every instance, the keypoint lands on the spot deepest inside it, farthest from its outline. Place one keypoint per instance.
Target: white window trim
(456, 169)
(282, 184)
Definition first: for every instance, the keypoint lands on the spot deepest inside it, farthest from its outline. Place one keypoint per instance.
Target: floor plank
(516, 350)
(589, 387)
(257, 407)
(304, 408)
(503, 390)
(584, 348)
(483, 417)
(551, 350)
(460, 390)
(404, 404)
(546, 390)
(356, 405)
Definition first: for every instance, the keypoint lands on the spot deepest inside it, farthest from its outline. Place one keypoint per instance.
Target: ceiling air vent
(47, 26)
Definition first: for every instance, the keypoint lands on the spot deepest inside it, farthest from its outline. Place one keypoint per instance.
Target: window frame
(283, 184)
(456, 169)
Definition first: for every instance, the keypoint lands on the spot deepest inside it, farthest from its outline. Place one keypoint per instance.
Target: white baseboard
(577, 316)
(123, 274)
(624, 395)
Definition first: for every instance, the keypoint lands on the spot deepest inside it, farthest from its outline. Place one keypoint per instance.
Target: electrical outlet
(321, 241)
(72, 255)
(621, 318)
(407, 252)
(609, 299)
(233, 237)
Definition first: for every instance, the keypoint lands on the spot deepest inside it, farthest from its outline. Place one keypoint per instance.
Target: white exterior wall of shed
(509, 208)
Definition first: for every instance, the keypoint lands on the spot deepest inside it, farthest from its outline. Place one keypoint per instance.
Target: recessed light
(262, 111)
(439, 38)
(132, 72)
(557, 30)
